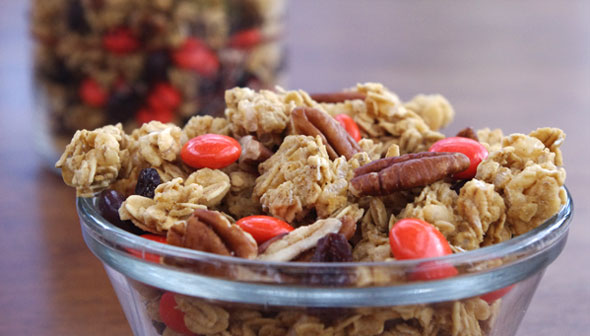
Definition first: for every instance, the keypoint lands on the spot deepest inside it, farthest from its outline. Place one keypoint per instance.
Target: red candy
(495, 295)
(120, 41)
(433, 270)
(246, 39)
(263, 228)
(413, 238)
(195, 55)
(149, 256)
(172, 316)
(145, 115)
(164, 96)
(92, 93)
(210, 151)
(349, 125)
(475, 151)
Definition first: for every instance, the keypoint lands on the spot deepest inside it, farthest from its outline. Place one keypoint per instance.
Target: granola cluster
(340, 196)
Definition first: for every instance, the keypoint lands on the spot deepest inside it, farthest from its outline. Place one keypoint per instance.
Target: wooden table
(512, 65)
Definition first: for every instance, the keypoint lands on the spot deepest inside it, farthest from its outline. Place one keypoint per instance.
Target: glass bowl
(198, 293)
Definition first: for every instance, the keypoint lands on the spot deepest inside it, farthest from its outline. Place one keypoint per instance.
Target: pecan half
(468, 132)
(210, 231)
(385, 176)
(337, 97)
(310, 121)
(300, 240)
(253, 153)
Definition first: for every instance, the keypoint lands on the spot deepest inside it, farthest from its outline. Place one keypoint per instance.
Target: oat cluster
(290, 176)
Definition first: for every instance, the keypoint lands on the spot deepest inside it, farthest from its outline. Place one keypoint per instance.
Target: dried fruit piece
(349, 125)
(75, 17)
(92, 93)
(147, 182)
(334, 247)
(263, 228)
(195, 55)
(467, 132)
(211, 151)
(475, 151)
(171, 315)
(108, 203)
(120, 41)
(156, 66)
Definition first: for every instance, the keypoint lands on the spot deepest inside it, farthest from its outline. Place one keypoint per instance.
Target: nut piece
(469, 133)
(337, 97)
(253, 153)
(310, 121)
(210, 231)
(404, 172)
(300, 240)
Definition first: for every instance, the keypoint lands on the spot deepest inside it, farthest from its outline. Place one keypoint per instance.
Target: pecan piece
(300, 240)
(210, 231)
(337, 97)
(310, 121)
(404, 172)
(253, 153)
(468, 132)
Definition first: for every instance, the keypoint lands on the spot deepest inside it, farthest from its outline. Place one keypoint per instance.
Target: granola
(286, 173)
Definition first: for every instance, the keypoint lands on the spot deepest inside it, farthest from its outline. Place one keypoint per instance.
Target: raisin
(243, 15)
(457, 185)
(124, 102)
(159, 326)
(156, 66)
(75, 18)
(333, 247)
(147, 182)
(108, 203)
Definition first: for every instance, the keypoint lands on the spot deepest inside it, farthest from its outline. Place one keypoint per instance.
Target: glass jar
(168, 290)
(99, 62)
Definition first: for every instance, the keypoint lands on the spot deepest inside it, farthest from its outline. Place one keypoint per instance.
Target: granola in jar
(105, 62)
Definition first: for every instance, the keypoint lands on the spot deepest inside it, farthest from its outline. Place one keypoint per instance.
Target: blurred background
(503, 64)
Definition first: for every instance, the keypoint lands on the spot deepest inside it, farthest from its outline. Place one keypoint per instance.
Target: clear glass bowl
(217, 295)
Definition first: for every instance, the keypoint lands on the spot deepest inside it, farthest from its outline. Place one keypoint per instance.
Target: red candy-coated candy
(433, 270)
(495, 295)
(475, 151)
(164, 96)
(172, 316)
(412, 238)
(149, 256)
(145, 115)
(211, 151)
(263, 228)
(92, 93)
(120, 41)
(246, 39)
(195, 55)
(349, 125)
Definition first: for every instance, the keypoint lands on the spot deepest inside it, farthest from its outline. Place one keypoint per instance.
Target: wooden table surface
(513, 65)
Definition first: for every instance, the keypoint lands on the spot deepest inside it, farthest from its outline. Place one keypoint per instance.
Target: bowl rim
(521, 257)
